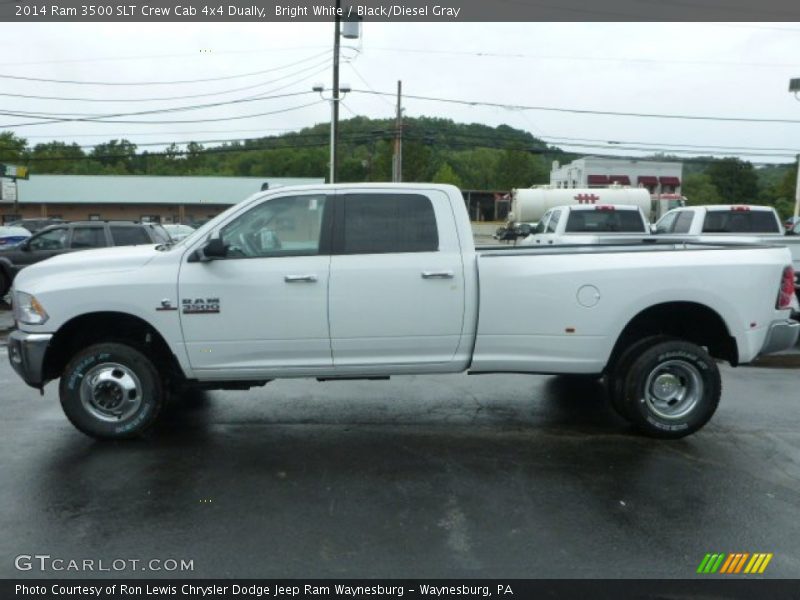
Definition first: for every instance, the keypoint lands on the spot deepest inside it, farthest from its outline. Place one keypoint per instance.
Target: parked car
(69, 237)
(11, 236)
(178, 231)
(36, 225)
(373, 280)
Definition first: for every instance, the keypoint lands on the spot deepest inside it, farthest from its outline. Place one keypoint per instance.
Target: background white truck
(590, 224)
(746, 223)
(375, 280)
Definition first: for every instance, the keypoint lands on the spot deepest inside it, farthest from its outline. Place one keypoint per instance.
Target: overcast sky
(717, 70)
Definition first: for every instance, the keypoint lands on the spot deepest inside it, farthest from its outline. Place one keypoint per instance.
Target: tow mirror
(213, 249)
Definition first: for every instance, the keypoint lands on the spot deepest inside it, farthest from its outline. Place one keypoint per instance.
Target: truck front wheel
(111, 391)
(670, 390)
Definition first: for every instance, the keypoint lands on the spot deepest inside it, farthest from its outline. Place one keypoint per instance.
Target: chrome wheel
(673, 389)
(111, 392)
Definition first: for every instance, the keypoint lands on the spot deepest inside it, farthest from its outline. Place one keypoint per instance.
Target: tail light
(604, 207)
(786, 290)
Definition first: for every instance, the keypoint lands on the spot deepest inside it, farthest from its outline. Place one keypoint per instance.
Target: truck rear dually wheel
(111, 391)
(670, 389)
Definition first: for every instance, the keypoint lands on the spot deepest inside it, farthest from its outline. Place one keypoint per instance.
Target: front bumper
(782, 335)
(26, 353)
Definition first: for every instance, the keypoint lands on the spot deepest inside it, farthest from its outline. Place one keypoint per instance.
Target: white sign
(8, 190)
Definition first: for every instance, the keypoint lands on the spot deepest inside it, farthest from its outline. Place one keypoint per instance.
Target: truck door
(264, 305)
(548, 235)
(397, 280)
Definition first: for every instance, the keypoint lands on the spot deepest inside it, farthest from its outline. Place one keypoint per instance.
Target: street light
(334, 99)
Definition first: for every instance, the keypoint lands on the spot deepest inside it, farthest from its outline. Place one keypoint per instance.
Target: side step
(381, 378)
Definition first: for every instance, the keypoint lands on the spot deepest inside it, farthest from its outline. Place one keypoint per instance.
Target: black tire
(5, 284)
(622, 366)
(671, 389)
(111, 391)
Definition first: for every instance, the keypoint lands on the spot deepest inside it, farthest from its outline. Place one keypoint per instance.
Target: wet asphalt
(432, 476)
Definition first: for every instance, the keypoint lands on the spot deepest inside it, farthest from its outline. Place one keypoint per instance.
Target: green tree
(57, 157)
(116, 157)
(446, 174)
(698, 189)
(735, 180)
(12, 148)
(518, 168)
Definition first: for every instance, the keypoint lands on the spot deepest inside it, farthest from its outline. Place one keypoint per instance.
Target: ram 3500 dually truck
(375, 280)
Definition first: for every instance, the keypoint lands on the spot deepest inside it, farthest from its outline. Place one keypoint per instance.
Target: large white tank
(529, 204)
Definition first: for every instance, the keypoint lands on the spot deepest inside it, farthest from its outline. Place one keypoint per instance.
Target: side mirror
(25, 245)
(214, 249)
(524, 230)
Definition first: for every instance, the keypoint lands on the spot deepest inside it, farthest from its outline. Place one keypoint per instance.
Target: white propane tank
(528, 205)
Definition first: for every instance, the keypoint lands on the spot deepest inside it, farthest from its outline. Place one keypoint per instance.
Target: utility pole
(794, 87)
(335, 99)
(397, 162)
(797, 190)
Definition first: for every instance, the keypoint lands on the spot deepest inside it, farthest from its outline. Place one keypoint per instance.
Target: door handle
(300, 278)
(437, 275)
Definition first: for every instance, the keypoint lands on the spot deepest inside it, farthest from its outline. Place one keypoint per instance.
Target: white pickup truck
(752, 223)
(375, 280)
(588, 224)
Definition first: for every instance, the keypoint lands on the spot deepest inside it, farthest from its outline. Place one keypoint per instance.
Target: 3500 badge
(200, 306)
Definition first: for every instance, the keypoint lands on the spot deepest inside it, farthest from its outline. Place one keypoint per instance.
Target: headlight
(27, 309)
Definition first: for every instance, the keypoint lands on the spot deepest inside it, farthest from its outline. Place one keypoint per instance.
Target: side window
(683, 222)
(384, 223)
(667, 222)
(55, 239)
(129, 235)
(287, 226)
(553, 223)
(541, 226)
(88, 237)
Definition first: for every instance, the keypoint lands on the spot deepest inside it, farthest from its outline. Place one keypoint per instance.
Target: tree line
(471, 156)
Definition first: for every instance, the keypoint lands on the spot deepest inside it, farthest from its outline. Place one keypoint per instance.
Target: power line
(585, 111)
(324, 63)
(176, 82)
(234, 118)
(64, 117)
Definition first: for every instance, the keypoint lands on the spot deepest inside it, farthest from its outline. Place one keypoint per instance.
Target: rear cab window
(740, 220)
(605, 221)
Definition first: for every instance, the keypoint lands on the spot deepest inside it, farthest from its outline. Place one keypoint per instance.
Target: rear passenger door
(396, 295)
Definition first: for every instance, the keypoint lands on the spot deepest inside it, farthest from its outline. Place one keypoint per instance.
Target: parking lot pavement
(435, 476)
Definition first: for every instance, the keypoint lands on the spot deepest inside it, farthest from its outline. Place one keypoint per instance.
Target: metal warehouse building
(135, 197)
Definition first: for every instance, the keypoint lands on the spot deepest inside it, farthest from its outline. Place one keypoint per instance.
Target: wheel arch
(690, 321)
(95, 327)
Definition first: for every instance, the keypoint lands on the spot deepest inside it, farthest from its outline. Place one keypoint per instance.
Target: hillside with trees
(472, 156)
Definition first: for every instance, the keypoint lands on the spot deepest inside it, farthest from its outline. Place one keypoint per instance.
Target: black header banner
(397, 10)
(338, 589)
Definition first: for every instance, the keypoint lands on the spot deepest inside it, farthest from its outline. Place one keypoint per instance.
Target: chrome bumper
(26, 353)
(782, 335)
